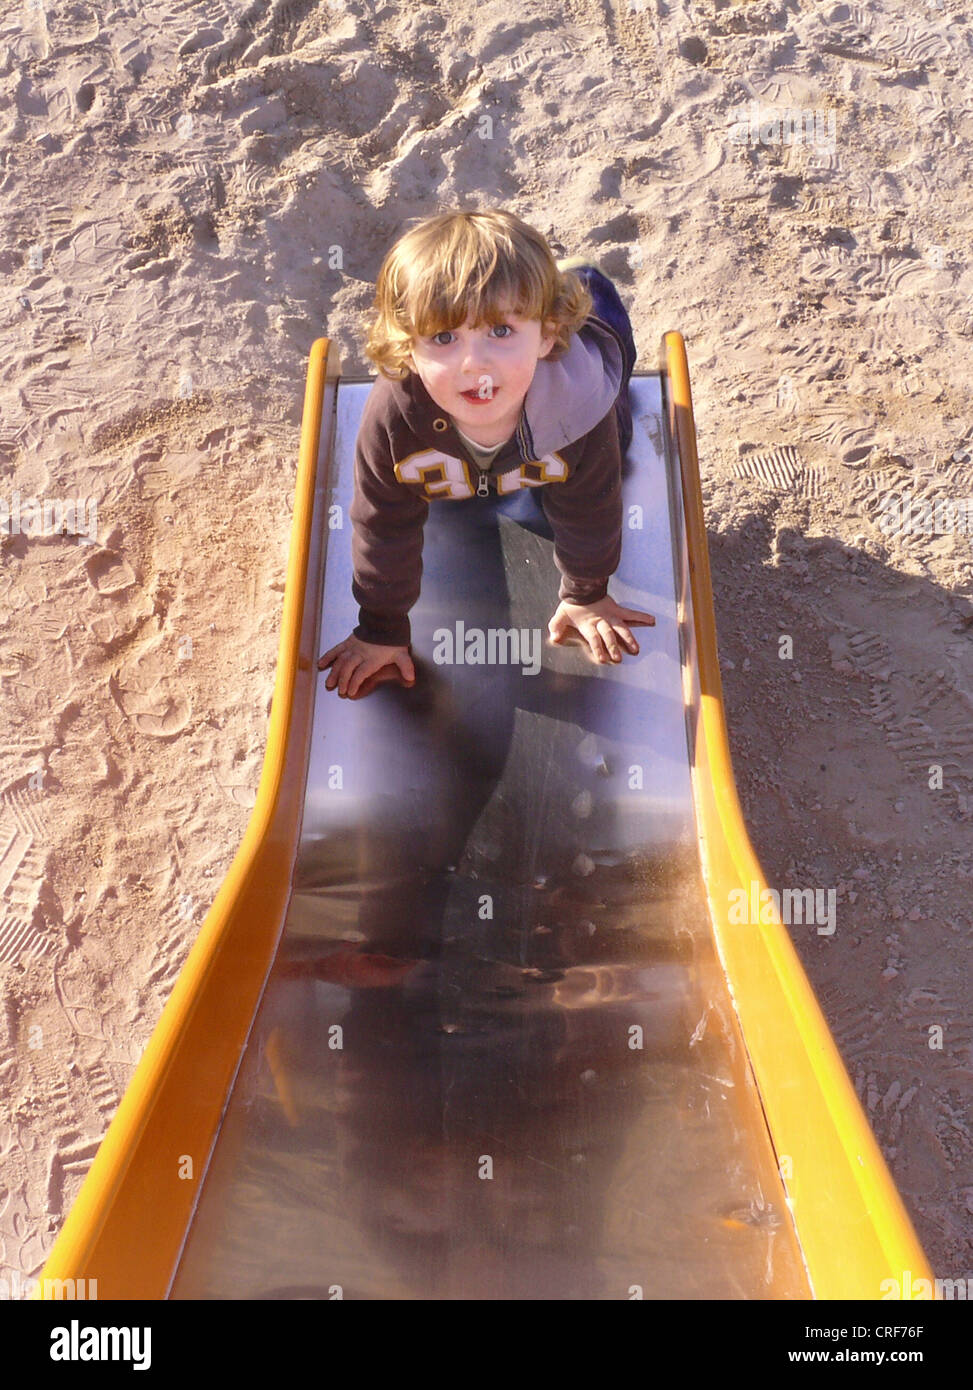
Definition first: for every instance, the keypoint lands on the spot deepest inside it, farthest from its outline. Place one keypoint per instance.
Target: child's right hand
(357, 667)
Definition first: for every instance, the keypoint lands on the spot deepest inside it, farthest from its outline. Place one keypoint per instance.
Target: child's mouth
(475, 398)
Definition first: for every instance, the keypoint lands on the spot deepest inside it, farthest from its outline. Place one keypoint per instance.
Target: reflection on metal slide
(471, 1016)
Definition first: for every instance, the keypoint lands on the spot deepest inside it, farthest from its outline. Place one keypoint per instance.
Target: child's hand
(600, 625)
(357, 667)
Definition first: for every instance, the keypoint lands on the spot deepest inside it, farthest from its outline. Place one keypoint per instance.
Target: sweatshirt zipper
(483, 487)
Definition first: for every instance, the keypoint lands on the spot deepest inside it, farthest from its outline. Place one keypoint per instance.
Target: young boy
(530, 391)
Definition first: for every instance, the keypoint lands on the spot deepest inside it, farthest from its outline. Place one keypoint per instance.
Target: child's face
(480, 376)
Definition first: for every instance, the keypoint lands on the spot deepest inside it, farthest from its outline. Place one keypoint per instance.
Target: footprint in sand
(108, 572)
(781, 470)
(850, 435)
(147, 689)
(102, 1088)
(25, 896)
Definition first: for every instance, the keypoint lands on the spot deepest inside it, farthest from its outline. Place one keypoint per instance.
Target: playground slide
(483, 1008)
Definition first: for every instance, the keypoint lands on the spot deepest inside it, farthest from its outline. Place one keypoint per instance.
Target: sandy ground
(192, 192)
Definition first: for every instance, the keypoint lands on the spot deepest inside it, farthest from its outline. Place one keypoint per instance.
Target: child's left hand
(600, 624)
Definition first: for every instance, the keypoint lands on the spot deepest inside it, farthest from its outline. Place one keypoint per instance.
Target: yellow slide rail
(126, 1228)
(856, 1236)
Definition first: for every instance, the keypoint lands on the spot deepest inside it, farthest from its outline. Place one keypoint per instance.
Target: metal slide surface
(496, 1056)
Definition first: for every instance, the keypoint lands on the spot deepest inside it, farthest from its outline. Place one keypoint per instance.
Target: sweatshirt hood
(567, 398)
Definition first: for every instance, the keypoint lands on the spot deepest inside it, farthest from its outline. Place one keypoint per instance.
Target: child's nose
(475, 362)
(476, 369)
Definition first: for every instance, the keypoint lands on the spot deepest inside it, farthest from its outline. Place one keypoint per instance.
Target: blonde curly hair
(458, 266)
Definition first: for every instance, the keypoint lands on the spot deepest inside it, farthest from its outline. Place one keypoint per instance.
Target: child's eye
(447, 333)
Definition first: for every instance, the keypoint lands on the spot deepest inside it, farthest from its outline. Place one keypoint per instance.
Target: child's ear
(548, 339)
